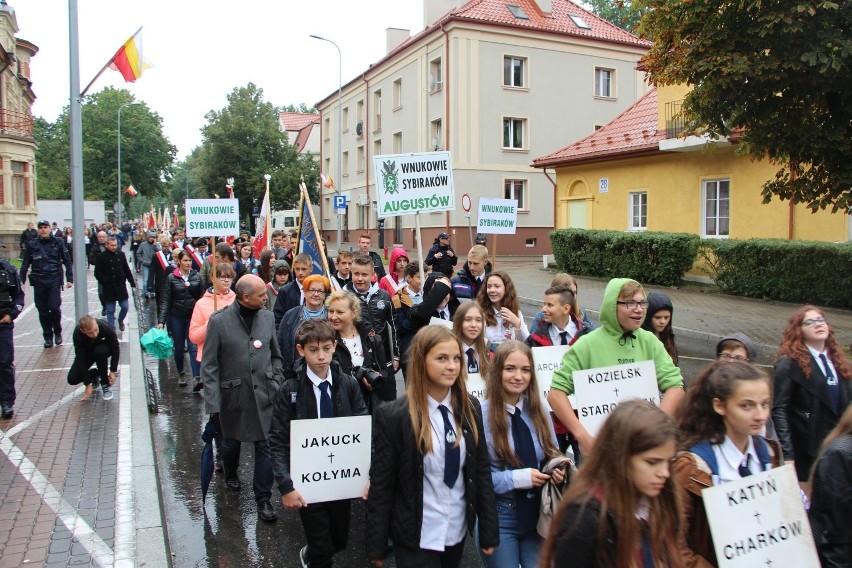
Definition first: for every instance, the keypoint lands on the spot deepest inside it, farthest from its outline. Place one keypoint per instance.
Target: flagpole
(104, 68)
(320, 244)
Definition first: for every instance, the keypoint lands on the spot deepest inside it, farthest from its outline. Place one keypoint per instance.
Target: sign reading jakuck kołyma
(212, 217)
(414, 183)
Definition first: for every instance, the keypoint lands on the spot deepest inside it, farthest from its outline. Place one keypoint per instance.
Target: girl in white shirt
(469, 327)
(502, 310)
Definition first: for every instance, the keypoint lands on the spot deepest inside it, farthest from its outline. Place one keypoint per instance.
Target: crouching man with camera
(359, 353)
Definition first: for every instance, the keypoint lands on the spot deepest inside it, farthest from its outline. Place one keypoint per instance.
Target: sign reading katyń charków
(414, 183)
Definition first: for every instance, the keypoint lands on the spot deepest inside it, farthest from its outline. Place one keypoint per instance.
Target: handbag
(157, 342)
(551, 494)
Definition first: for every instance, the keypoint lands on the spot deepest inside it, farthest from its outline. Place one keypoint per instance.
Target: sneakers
(303, 556)
(198, 386)
(182, 379)
(106, 392)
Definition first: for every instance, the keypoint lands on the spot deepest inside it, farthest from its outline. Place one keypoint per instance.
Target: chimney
(395, 37)
(434, 10)
(545, 6)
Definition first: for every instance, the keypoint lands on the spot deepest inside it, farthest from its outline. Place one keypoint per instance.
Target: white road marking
(37, 416)
(41, 370)
(125, 532)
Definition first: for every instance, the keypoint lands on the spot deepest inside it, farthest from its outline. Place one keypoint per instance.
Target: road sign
(466, 204)
(340, 202)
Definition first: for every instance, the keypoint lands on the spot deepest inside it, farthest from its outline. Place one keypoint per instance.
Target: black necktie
(743, 469)
(563, 338)
(831, 381)
(452, 452)
(524, 448)
(472, 365)
(442, 314)
(326, 408)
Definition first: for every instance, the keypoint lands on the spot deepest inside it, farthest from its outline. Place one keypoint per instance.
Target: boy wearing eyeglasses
(736, 347)
(619, 340)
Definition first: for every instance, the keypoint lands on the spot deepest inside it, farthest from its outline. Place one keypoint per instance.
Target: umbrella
(157, 342)
(210, 432)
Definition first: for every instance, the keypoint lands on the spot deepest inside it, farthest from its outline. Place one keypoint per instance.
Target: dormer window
(517, 11)
(580, 22)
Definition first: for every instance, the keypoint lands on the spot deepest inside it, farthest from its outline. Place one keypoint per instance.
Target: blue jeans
(518, 544)
(179, 328)
(145, 271)
(110, 312)
(263, 477)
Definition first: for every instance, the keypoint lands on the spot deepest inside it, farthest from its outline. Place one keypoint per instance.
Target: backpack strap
(704, 450)
(762, 449)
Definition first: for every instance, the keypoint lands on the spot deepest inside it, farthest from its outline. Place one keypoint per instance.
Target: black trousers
(7, 364)
(79, 372)
(326, 527)
(48, 302)
(407, 557)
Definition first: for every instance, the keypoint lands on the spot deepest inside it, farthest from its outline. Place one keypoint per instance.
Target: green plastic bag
(157, 343)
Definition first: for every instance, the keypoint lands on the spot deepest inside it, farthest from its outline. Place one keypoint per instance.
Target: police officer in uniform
(11, 304)
(46, 255)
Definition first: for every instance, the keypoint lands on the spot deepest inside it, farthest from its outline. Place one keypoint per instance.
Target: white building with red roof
(302, 130)
(496, 83)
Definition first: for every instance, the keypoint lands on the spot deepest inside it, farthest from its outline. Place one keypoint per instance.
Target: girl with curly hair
(502, 310)
(813, 387)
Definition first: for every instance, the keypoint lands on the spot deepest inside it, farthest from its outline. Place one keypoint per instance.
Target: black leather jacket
(803, 412)
(395, 503)
(831, 504)
(179, 297)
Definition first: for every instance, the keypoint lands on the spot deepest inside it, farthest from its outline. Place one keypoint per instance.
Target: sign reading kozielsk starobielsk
(414, 183)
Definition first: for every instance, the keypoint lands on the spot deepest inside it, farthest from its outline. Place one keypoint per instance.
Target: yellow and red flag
(128, 60)
(131, 191)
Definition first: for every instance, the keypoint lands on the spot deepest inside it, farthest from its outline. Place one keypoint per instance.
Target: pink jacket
(201, 314)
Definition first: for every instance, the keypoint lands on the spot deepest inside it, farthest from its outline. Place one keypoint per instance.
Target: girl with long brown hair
(719, 425)
(813, 387)
(430, 477)
(469, 327)
(520, 440)
(621, 510)
(502, 310)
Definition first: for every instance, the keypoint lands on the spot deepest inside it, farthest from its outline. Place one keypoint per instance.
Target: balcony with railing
(680, 137)
(675, 121)
(16, 123)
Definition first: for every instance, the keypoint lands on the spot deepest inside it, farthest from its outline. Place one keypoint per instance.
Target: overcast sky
(201, 50)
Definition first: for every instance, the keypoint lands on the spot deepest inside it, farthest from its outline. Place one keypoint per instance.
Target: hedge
(647, 257)
(792, 271)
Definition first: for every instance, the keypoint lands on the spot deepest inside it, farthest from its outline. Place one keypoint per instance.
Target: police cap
(43, 223)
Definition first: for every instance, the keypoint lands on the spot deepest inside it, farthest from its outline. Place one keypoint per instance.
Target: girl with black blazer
(813, 387)
(181, 290)
(430, 477)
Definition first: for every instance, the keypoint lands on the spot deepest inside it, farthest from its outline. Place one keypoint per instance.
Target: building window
(397, 94)
(716, 200)
(377, 109)
(516, 189)
(345, 119)
(517, 11)
(436, 135)
(359, 111)
(326, 167)
(397, 142)
(326, 209)
(436, 75)
(377, 147)
(513, 133)
(326, 127)
(345, 165)
(514, 69)
(20, 184)
(530, 243)
(604, 82)
(638, 211)
(360, 159)
(363, 216)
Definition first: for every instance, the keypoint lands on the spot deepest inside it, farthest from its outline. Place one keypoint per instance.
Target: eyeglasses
(224, 278)
(633, 304)
(729, 357)
(813, 322)
(316, 292)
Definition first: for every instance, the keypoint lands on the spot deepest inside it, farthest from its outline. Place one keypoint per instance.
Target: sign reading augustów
(600, 390)
(497, 216)
(330, 457)
(759, 520)
(414, 183)
(212, 217)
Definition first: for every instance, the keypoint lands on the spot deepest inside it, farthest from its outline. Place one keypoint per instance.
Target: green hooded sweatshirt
(607, 346)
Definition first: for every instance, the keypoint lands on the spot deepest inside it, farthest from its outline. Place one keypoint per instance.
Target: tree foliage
(146, 154)
(778, 72)
(623, 13)
(244, 141)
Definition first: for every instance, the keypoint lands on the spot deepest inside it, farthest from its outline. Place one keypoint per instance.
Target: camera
(374, 378)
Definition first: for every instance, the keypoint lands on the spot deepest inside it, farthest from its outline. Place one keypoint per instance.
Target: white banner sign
(414, 183)
(212, 217)
(599, 391)
(497, 216)
(330, 457)
(438, 321)
(760, 521)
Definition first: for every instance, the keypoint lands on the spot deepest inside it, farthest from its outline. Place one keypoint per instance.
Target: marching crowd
(270, 342)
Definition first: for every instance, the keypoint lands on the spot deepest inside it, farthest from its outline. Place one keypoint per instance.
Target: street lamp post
(339, 130)
(118, 191)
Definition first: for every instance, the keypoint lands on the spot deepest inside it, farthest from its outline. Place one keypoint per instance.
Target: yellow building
(638, 173)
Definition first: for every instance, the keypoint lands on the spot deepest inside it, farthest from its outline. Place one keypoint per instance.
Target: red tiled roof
(300, 122)
(558, 20)
(632, 132)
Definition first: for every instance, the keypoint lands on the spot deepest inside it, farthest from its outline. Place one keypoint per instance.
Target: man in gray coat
(241, 370)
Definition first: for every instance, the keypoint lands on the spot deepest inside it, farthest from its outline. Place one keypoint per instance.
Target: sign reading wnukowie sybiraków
(414, 183)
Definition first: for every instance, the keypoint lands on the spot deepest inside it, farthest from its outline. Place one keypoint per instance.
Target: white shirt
(315, 380)
(444, 509)
(416, 297)
(729, 457)
(816, 355)
(444, 313)
(571, 328)
(356, 350)
(500, 332)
